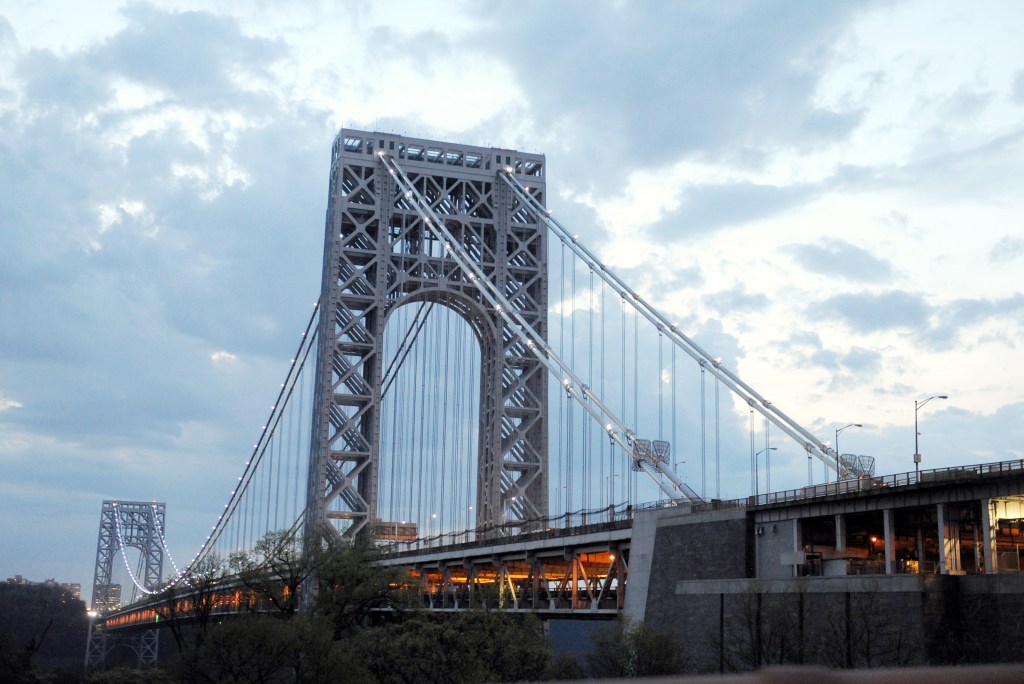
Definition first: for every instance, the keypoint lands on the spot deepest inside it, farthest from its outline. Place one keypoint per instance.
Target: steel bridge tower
(123, 524)
(379, 256)
(137, 524)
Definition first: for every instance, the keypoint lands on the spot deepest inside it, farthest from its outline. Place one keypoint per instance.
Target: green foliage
(275, 570)
(351, 589)
(40, 626)
(128, 675)
(364, 626)
(455, 647)
(188, 605)
(626, 649)
(252, 648)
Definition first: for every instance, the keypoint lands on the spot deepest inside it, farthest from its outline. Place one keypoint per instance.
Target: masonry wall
(737, 625)
(701, 585)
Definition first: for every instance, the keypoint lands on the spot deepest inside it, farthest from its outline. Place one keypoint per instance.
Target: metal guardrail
(908, 479)
(614, 517)
(568, 524)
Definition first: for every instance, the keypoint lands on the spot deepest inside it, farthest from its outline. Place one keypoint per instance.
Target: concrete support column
(798, 543)
(946, 561)
(840, 533)
(889, 530)
(989, 519)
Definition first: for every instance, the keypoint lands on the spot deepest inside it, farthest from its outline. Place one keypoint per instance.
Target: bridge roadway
(581, 570)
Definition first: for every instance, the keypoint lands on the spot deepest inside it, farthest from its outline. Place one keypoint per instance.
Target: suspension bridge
(481, 393)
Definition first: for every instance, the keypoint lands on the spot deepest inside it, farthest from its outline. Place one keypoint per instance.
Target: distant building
(73, 588)
(108, 600)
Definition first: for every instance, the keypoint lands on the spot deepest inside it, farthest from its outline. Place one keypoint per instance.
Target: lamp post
(917, 407)
(839, 458)
(611, 495)
(757, 479)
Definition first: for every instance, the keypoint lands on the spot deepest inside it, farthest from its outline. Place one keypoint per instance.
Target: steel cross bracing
(137, 524)
(378, 256)
(753, 399)
(537, 345)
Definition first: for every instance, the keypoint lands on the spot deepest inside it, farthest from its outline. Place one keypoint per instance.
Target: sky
(832, 189)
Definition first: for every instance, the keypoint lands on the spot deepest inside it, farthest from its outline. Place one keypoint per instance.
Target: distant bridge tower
(136, 524)
(124, 524)
(378, 256)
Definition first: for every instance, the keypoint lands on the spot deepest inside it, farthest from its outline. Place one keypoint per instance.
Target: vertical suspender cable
(446, 515)
(589, 425)
(672, 415)
(277, 477)
(661, 401)
(622, 390)
(570, 404)
(753, 461)
(636, 394)
(703, 428)
(718, 444)
(562, 475)
(601, 387)
(297, 503)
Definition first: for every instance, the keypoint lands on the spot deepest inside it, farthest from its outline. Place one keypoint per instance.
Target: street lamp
(611, 495)
(839, 457)
(757, 479)
(917, 407)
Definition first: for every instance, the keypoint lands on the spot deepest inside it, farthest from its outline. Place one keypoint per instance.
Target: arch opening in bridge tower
(430, 415)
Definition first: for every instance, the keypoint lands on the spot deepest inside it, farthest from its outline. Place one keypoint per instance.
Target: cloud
(6, 403)
(706, 208)
(736, 299)
(951, 319)
(936, 327)
(220, 65)
(222, 356)
(868, 312)
(857, 361)
(1017, 91)
(656, 81)
(1006, 250)
(841, 259)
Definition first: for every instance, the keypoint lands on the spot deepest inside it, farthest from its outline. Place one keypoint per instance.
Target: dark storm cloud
(840, 258)
(646, 82)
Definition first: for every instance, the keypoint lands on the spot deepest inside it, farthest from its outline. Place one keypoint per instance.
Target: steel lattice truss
(378, 256)
(136, 524)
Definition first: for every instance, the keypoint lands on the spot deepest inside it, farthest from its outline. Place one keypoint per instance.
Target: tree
(188, 607)
(40, 626)
(470, 646)
(761, 629)
(248, 648)
(350, 589)
(129, 675)
(627, 649)
(275, 569)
